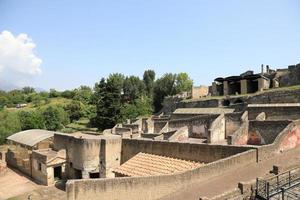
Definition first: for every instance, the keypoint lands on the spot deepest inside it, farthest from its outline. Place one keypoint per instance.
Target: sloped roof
(31, 137)
(203, 110)
(144, 164)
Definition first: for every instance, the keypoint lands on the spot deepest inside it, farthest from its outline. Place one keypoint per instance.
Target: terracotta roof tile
(144, 164)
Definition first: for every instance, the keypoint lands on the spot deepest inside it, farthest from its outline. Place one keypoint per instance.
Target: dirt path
(13, 183)
(15, 186)
(230, 179)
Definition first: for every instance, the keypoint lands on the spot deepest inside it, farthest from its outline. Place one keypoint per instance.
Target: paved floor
(15, 186)
(229, 180)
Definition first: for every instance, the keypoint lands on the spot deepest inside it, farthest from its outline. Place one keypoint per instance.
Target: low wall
(152, 187)
(200, 103)
(204, 153)
(275, 111)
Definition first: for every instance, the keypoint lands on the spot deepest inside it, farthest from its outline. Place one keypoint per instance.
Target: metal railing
(277, 185)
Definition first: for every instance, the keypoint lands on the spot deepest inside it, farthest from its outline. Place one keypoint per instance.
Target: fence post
(277, 179)
(268, 192)
(282, 193)
(289, 178)
(256, 187)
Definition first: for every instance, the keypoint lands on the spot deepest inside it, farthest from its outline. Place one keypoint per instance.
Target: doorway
(57, 172)
(95, 175)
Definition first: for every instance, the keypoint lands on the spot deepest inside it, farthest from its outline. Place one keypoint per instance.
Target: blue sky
(81, 41)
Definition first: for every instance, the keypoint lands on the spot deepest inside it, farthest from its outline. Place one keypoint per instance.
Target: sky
(63, 44)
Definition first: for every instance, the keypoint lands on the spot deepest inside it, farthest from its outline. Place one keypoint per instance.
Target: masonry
(187, 151)
(275, 111)
(154, 187)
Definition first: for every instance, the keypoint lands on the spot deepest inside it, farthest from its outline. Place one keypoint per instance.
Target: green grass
(52, 101)
(80, 125)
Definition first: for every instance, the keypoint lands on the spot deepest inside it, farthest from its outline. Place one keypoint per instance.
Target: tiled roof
(203, 110)
(144, 164)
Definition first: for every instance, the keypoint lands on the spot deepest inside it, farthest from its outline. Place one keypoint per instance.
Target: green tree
(54, 93)
(75, 110)
(108, 101)
(54, 117)
(9, 124)
(133, 88)
(149, 78)
(16, 97)
(31, 120)
(68, 94)
(3, 101)
(28, 90)
(183, 83)
(141, 107)
(163, 87)
(83, 94)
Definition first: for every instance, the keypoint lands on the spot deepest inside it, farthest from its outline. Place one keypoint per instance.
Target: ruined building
(165, 155)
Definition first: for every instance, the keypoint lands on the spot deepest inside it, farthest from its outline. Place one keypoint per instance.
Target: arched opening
(226, 102)
(239, 101)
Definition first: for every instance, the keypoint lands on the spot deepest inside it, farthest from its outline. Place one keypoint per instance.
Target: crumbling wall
(198, 126)
(233, 122)
(180, 135)
(291, 77)
(19, 157)
(159, 125)
(216, 131)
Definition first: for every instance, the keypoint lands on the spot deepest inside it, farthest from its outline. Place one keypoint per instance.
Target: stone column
(214, 89)
(225, 88)
(244, 86)
(263, 84)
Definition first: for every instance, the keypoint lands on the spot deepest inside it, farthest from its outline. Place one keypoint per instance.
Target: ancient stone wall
(153, 187)
(159, 125)
(110, 156)
(198, 126)
(233, 122)
(275, 111)
(265, 132)
(187, 151)
(19, 157)
(287, 139)
(277, 96)
(216, 131)
(39, 169)
(200, 104)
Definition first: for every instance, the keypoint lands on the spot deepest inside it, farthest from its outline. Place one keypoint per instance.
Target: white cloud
(18, 62)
